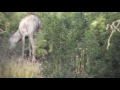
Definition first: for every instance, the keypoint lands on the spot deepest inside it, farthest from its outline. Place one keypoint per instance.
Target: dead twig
(113, 27)
(2, 31)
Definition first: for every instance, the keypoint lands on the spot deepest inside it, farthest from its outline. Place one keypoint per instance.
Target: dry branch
(2, 31)
(109, 39)
(113, 29)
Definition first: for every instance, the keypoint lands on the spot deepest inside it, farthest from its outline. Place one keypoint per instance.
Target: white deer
(27, 27)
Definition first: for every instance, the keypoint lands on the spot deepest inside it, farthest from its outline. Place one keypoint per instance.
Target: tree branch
(3, 32)
(113, 28)
(109, 39)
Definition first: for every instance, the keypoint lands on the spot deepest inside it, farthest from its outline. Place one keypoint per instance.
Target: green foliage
(40, 45)
(73, 44)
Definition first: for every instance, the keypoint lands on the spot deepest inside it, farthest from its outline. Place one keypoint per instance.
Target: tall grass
(26, 69)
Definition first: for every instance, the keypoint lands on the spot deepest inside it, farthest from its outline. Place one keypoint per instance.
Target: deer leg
(33, 49)
(30, 53)
(23, 46)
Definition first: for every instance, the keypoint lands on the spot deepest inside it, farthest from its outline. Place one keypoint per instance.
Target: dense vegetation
(69, 45)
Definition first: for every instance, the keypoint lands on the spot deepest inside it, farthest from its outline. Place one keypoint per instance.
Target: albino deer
(27, 27)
